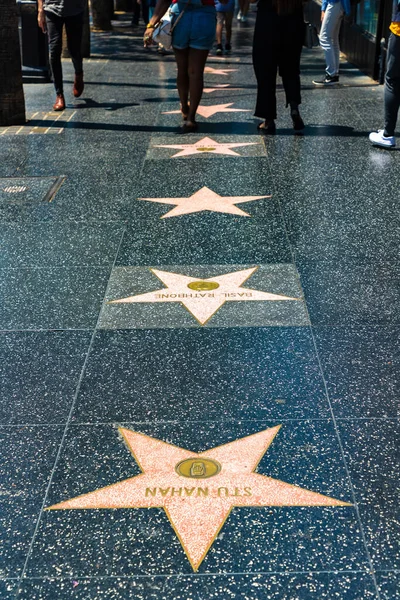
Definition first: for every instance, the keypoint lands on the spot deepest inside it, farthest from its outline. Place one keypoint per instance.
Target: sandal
(267, 127)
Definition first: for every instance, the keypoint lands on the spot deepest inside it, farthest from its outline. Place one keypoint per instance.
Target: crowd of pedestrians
(278, 40)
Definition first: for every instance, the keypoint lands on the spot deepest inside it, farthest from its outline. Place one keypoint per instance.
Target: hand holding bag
(163, 31)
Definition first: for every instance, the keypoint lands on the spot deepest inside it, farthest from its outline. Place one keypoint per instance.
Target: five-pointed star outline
(206, 145)
(197, 518)
(210, 111)
(203, 297)
(213, 71)
(205, 200)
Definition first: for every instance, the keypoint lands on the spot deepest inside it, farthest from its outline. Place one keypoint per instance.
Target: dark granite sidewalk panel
(8, 588)
(105, 197)
(389, 584)
(76, 153)
(372, 451)
(218, 373)
(330, 219)
(57, 298)
(205, 237)
(29, 454)
(59, 245)
(224, 179)
(360, 366)
(351, 293)
(28, 198)
(83, 542)
(39, 373)
(324, 586)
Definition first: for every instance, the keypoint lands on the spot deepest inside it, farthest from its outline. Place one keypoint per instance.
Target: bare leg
(228, 27)
(197, 61)
(182, 79)
(218, 32)
(244, 7)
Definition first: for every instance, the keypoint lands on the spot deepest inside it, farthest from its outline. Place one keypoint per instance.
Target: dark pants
(278, 41)
(73, 29)
(136, 12)
(392, 85)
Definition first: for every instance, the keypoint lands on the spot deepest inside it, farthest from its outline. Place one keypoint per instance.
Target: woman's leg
(182, 79)
(228, 27)
(220, 25)
(244, 7)
(54, 33)
(197, 62)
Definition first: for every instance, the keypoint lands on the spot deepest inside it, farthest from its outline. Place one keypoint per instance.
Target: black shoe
(228, 48)
(327, 80)
(298, 123)
(219, 49)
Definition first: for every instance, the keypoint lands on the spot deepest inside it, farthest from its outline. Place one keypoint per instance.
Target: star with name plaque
(198, 490)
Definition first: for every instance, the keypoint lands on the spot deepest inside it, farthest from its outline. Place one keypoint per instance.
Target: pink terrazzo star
(198, 491)
(205, 200)
(213, 71)
(206, 145)
(203, 297)
(219, 87)
(209, 111)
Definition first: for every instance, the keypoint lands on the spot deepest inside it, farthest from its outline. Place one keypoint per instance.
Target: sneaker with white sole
(378, 139)
(239, 15)
(327, 80)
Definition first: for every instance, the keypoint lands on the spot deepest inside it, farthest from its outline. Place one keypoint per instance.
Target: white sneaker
(239, 15)
(378, 139)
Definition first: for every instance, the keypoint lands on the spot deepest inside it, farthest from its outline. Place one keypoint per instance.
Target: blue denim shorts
(196, 28)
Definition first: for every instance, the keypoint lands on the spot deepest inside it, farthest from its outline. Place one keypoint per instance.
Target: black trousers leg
(265, 63)
(392, 85)
(136, 13)
(289, 61)
(74, 30)
(54, 33)
(145, 11)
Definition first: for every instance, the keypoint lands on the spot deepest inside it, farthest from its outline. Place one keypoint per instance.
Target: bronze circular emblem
(206, 149)
(198, 468)
(203, 286)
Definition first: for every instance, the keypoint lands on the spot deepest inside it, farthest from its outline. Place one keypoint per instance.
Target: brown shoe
(78, 85)
(59, 103)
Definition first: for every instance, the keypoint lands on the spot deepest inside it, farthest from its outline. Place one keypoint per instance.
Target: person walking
(52, 16)
(224, 17)
(385, 137)
(332, 12)
(278, 41)
(192, 39)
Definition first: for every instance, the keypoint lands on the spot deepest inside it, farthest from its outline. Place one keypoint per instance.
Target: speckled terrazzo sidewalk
(199, 340)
